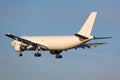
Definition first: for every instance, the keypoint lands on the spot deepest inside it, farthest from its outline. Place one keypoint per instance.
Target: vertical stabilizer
(87, 27)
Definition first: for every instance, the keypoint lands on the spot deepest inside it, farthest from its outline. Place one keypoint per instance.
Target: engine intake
(20, 48)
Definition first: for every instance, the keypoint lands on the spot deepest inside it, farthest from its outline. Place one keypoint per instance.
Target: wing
(89, 45)
(25, 41)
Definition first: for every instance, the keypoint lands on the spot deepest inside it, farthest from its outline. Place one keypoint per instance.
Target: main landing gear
(58, 56)
(37, 55)
(56, 53)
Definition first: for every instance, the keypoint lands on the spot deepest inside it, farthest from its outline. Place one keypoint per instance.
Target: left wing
(89, 45)
(25, 41)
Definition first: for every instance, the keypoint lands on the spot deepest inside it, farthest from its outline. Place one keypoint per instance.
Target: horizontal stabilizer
(102, 37)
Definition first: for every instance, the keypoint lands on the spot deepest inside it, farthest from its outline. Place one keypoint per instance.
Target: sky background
(60, 17)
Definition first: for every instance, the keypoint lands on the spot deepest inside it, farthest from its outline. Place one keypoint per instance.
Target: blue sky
(60, 17)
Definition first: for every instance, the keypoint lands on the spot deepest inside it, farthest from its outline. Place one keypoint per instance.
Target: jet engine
(20, 48)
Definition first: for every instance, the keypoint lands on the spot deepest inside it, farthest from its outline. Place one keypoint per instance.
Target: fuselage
(55, 42)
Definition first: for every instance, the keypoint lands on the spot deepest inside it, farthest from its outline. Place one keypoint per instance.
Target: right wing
(25, 41)
(89, 45)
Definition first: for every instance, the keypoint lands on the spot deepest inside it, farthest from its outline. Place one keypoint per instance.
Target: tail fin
(87, 27)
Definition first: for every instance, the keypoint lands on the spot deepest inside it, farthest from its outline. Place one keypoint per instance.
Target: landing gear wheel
(20, 55)
(37, 55)
(58, 56)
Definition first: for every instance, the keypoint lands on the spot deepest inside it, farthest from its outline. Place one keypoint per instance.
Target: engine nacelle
(20, 48)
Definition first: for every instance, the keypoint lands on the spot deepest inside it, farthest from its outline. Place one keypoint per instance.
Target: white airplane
(57, 44)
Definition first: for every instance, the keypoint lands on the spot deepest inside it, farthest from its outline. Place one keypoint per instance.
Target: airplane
(57, 44)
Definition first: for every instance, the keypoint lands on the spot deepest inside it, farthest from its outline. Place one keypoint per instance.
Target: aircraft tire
(20, 55)
(37, 55)
(58, 56)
